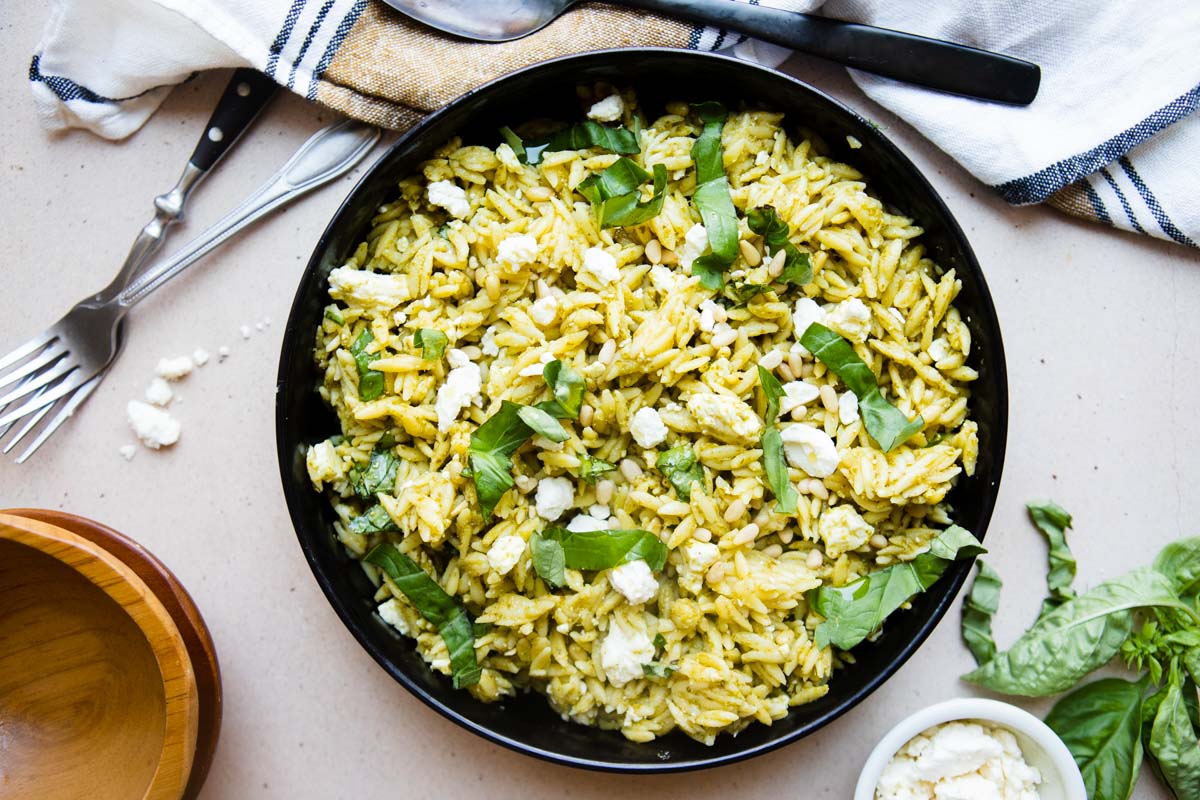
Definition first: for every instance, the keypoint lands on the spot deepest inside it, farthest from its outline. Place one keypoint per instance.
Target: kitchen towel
(1112, 137)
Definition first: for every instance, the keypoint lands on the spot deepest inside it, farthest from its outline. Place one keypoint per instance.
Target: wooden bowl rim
(129, 591)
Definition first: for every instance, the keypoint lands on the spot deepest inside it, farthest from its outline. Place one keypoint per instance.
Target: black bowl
(527, 724)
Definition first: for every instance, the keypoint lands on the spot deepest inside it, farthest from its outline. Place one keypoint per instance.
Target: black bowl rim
(295, 346)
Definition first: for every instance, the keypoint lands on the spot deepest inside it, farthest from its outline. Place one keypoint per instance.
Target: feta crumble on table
(505, 552)
(155, 427)
(695, 242)
(647, 428)
(128, 451)
(609, 109)
(447, 195)
(245, 330)
(635, 581)
(554, 497)
(463, 387)
(843, 529)
(963, 759)
(222, 353)
(159, 392)
(174, 369)
(623, 652)
(601, 266)
(200, 356)
(810, 449)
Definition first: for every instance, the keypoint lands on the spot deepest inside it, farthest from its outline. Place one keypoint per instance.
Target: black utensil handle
(246, 95)
(914, 59)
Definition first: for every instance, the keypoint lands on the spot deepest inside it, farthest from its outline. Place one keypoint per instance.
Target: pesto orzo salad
(655, 417)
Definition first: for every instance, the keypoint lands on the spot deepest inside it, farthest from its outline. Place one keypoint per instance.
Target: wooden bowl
(98, 698)
(183, 610)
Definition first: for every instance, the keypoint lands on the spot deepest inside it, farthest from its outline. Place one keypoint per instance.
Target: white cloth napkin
(1112, 135)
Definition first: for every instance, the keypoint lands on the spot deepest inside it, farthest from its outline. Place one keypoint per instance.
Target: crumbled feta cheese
(507, 156)
(647, 428)
(961, 760)
(174, 369)
(488, 343)
(796, 394)
(537, 369)
(724, 417)
(700, 555)
(761, 157)
(463, 386)
(390, 611)
(222, 353)
(664, 279)
(599, 511)
(373, 291)
(851, 318)
(517, 250)
(805, 313)
(609, 109)
(159, 392)
(939, 349)
(447, 195)
(848, 407)
(544, 310)
(258, 326)
(695, 242)
(128, 451)
(582, 523)
(324, 463)
(245, 330)
(554, 496)
(399, 318)
(623, 652)
(843, 529)
(200, 356)
(155, 427)
(635, 581)
(810, 449)
(601, 266)
(708, 316)
(771, 359)
(505, 552)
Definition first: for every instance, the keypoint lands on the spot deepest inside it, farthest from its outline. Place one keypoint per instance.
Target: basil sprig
(773, 456)
(435, 605)
(370, 381)
(712, 198)
(432, 343)
(557, 549)
(883, 421)
(615, 196)
(797, 266)
(1053, 520)
(591, 468)
(681, 468)
(374, 520)
(616, 139)
(978, 609)
(854, 611)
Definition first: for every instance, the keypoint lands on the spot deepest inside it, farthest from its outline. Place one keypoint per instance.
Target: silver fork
(89, 337)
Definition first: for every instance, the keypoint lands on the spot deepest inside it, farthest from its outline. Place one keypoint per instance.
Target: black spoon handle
(247, 94)
(927, 62)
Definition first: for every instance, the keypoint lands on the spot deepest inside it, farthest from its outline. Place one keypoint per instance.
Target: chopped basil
(435, 605)
(492, 445)
(655, 669)
(432, 343)
(333, 316)
(566, 386)
(681, 468)
(739, 294)
(618, 139)
(854, 611)
(514, 142)
(712, 198)
(1053, 520)
(884, 422)
(615, 196)
(386, 442)
(591, 468)
(557, 549)
(774, 459)
(978, 609)
(660, 641)
(379, 476)
(374, 520)
(542, 423)
(370, 381)
(797, 266)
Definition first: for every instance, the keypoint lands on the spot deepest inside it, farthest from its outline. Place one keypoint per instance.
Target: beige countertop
(1100, 330)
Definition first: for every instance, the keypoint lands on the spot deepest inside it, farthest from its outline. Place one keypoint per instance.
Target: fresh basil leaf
(386, 442)
(334, 317)
(1100, 724)
(543, 424)
(854, 611)
(737, 295)
(379, 476)
(370, 382)
(593, 550)
(617, 139)
(1053, 520)
(712, 198)
(797, 266)
(492, 445)
(1075, 638)
(1174, 743)
(591, 468)
(566, 388)
(621, 177)
(681, 468)
(431, 600)
(374, 520)
(772, 390)
(1180, 563)
(655, 669)
(432, 343)
(978, 609)
(514, 141)
(774, 458)
(615, 196)
(883, 421)
(660, 641)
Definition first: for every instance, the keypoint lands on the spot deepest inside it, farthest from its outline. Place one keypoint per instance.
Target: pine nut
(746, 535)
(724, 337)
(818, 490)
(586, 413)
(654, 251)
(604, 491)
(491, 285)
(774, 550)
(538, 193)
(702, 535)
(796, 362)
(786, 536)
(608, 352)
(715, 573)
(669, 258)
(630, 469)
(750, 253)
(798, 412)
(735, 511)
(786, 373)
(878, 541)
(829, 398)
(762, 518)
(771, 360)
(815, 559)
(674, 508)
(525, 484)
(775, 268)
(472, 352)
(720, 314)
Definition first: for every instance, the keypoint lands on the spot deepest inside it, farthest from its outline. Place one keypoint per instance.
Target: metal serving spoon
(932, 63)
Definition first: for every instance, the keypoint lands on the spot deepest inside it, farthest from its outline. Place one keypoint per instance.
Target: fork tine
(55, 351)
(42, 379)
(64, 414)
(32, 346)
(31, 422)
(50, 394)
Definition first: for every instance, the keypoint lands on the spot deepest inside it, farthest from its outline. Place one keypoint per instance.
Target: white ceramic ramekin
(1041, 746)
